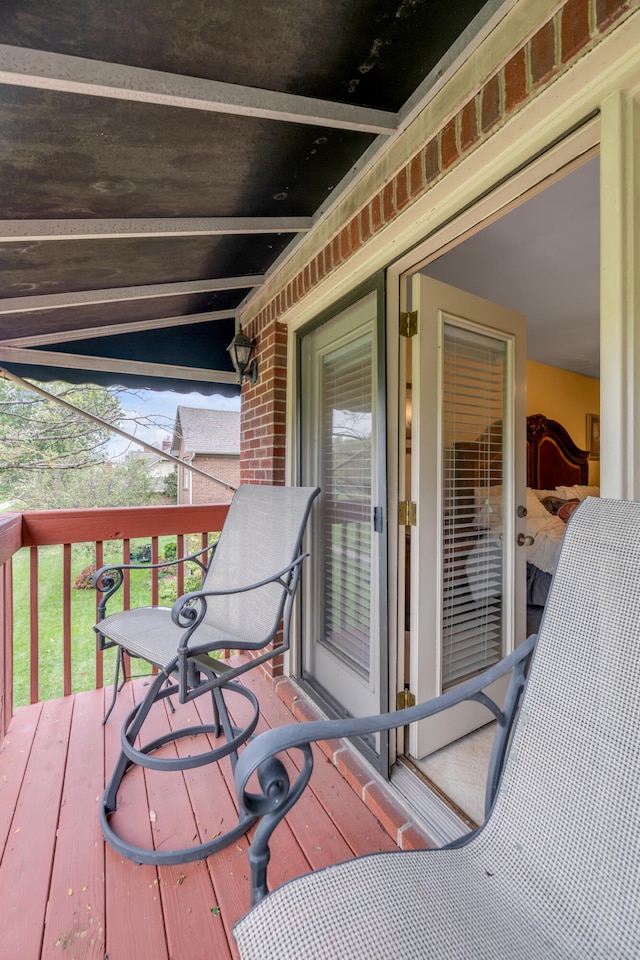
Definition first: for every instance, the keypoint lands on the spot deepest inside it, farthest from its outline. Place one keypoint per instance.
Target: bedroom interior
(541, 259)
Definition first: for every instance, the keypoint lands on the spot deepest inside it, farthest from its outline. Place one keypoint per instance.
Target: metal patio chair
(248, 590)
(555, 870)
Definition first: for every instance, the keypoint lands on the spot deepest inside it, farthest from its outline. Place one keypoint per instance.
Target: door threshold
(440, 815)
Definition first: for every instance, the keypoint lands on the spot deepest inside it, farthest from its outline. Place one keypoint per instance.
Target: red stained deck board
(215, 812)
(135, 923)
(76, 920)
(356, 823)
(150, 912)
(26, 864)
(14, 756)
(287, 858)
(194, 928)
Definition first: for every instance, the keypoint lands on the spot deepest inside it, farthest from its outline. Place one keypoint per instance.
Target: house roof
(206, 432)
(159, 161)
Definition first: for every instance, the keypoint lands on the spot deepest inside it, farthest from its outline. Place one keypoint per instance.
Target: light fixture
(241, 351)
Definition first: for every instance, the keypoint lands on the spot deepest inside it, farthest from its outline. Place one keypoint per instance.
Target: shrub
(84, 580)
(170, 551)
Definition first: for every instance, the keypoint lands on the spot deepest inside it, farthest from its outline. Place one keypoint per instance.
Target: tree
(51, 457)
(104, 485)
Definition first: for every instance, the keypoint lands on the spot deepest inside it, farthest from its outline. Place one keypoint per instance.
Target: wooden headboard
(553, 459)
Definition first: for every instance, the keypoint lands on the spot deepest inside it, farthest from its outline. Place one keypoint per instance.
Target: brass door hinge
(409, 324)
(407, 513)
(405, 699)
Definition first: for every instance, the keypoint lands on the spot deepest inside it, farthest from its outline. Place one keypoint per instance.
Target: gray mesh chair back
(262, 535)
(555, 871)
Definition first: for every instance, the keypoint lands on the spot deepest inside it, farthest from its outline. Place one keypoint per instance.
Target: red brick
(432, 160)
(609, 10)
(327, 259)
(413, 839)
(391, 818)
(543, 53)
(354, 228)
(574, 28)
(449, 144)
(354, 771)
(388, 208)
(335, 250)
(468, 124)
(402, 189)
(490, 104)
(302, 710)
(365, 224)
(330, 747)
(515, 81)
(376, 213)
(416, 175)
(306, 279)
(319, 261)
(344, 243)
(312, 272)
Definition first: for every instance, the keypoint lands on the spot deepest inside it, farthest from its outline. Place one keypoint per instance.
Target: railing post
(6, 649)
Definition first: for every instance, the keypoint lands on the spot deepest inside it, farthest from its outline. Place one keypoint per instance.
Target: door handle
(524, 540)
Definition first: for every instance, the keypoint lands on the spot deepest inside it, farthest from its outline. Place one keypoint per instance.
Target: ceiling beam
(20, 66)
(14, 231)
(83, 298)
(73, 361)
(116, 329)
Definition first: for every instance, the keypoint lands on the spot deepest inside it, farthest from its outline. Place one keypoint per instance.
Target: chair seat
(150, 633)
(445, 904)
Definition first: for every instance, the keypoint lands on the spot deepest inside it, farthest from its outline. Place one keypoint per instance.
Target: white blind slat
(473, 397)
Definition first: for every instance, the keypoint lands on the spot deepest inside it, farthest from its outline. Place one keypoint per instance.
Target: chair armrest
(192, 606)
(110, 577)
(278, 795)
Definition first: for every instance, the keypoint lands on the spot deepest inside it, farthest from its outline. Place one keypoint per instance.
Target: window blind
(473, 398)
(345, 523)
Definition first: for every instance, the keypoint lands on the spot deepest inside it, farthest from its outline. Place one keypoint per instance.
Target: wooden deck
(65, 894)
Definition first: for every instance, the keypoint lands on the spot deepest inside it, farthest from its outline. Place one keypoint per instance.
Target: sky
(160, 407)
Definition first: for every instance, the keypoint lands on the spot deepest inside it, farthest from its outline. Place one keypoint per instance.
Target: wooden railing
(66, 528)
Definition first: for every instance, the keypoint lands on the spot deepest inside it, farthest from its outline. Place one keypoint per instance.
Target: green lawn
(83, 617)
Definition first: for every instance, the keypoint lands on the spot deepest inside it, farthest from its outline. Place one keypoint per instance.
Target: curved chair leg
(145, 756)
(116, 687)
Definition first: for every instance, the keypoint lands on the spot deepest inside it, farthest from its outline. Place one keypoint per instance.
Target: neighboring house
(210, 441)
(157, 467)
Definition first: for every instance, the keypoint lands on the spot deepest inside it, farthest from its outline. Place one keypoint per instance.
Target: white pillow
(541, 494)
(577, 492)
(534, 507)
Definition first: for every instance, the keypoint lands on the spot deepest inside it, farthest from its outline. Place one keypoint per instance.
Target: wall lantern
(241, 351)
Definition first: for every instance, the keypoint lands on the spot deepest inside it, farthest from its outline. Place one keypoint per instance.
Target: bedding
(547, 514)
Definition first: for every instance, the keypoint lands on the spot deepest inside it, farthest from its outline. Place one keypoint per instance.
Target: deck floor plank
(76, 911)
(26, 865)
(15, 753)
(215, 813)
(61, 752)
(191, 914)
(135, 921)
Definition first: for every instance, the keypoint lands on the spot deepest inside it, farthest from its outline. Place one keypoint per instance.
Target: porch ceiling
(158, 161)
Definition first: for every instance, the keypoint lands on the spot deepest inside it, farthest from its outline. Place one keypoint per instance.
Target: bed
(557, 481)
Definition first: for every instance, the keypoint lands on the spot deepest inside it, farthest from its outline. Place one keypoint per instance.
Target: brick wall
(226, 469)
(262, 419)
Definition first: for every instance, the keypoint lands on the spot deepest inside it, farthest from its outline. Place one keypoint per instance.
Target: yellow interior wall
(567, 398)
